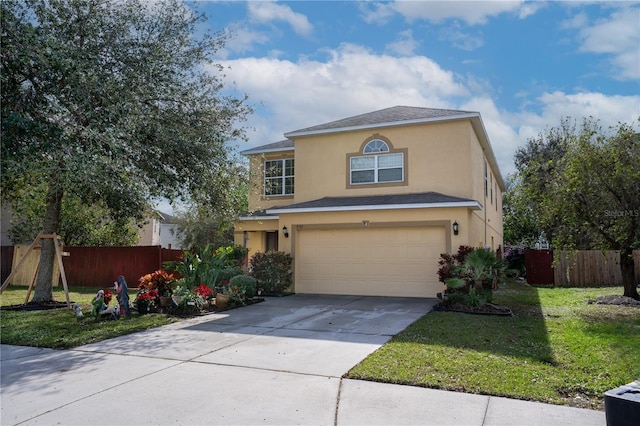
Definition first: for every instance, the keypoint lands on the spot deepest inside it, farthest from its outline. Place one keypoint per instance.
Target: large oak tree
(582, 186)
(114, 102)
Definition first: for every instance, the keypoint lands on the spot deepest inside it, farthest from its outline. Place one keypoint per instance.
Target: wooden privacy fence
(100, 266)
(583, 268)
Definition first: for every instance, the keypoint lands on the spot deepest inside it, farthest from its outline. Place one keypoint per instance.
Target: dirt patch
(615, 300)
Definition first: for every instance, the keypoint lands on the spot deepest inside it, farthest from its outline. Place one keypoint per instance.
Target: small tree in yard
(272, 271)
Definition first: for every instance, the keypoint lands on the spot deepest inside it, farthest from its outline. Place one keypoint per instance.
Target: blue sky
(524, 65)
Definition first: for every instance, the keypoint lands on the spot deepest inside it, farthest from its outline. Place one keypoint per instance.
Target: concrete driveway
(276, 362)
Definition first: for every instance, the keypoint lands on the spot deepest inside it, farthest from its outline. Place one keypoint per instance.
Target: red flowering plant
(107, 297)
(148, 298)
(203, 291)
(159, 280)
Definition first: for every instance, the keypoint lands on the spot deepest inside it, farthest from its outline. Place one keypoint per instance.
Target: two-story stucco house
(366, 205)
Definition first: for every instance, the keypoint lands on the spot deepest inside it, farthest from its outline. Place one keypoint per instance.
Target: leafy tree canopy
(210, 221)
(115, 103)
(581, 185)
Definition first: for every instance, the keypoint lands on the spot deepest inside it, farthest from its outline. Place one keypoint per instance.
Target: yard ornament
(122, 294)
(78, 309)
(100, 308)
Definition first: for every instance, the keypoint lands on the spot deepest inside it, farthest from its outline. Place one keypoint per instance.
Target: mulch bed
(35, 306)
(486, 309)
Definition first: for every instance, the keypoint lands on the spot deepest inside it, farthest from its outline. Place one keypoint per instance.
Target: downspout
(486, 190)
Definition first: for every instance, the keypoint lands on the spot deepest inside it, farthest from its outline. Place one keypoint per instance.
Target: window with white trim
(377, 168)
(278, 177)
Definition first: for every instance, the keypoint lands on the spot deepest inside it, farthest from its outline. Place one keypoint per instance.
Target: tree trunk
(43, 288)
(627, 267)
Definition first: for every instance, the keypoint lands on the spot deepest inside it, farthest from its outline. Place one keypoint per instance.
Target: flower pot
(222, 301)
(143, 308)
(166, 302)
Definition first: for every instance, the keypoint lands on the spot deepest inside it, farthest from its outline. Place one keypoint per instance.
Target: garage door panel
(370, 261)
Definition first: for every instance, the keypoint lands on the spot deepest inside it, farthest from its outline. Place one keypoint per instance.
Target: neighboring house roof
(394, 116)
(285, 145)
(378, 202)
(165, 217)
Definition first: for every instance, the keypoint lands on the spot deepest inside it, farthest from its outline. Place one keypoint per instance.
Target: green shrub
(272, 271)
(224, 276)
(245, 283)
(232, 256)
(471, 275)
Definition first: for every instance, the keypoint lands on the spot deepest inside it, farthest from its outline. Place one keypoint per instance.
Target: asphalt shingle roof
(275, 146)
(375, 200)
(394, 114)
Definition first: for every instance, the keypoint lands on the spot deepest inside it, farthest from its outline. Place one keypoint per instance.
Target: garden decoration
(122, 293)
(78, 310)
(101, 307)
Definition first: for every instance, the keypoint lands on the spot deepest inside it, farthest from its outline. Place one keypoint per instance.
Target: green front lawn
(556, 348)
(59, 328)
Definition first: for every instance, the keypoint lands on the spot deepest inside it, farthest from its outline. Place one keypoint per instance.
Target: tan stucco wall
(437, 160)
(445, 157)
(255, 234)
(257, 200)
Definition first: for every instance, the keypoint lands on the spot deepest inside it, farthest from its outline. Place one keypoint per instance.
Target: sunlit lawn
(556, 348)
(59, 328)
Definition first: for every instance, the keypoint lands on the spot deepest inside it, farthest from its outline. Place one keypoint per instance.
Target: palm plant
(481, 272)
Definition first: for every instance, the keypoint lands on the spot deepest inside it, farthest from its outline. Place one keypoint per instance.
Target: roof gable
(394, 116)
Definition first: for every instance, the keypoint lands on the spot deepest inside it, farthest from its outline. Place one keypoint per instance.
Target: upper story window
(378, 165)
(375, 145)
(278, 177)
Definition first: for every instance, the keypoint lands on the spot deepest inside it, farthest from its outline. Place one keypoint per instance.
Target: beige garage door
(370, 261)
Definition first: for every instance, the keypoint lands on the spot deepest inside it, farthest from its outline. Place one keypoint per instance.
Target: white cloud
(351, 81)
(242, 40)
(373, 12)
(471, 12)
(405, 45)
(266, 12)
(617, 36)
(578, 21)
(354, 80)
(459, 39)
(510, 130)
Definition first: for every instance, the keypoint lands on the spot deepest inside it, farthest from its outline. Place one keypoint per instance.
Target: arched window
(376, 164)
(375, 145)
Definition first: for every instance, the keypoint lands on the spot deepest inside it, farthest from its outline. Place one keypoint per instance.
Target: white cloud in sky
(354, 80)
(374, 12)
(351, 81)
(405, 45)
(459, 39)
(266, 12)
(242, 40)
(472, 12)
(618, 36)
